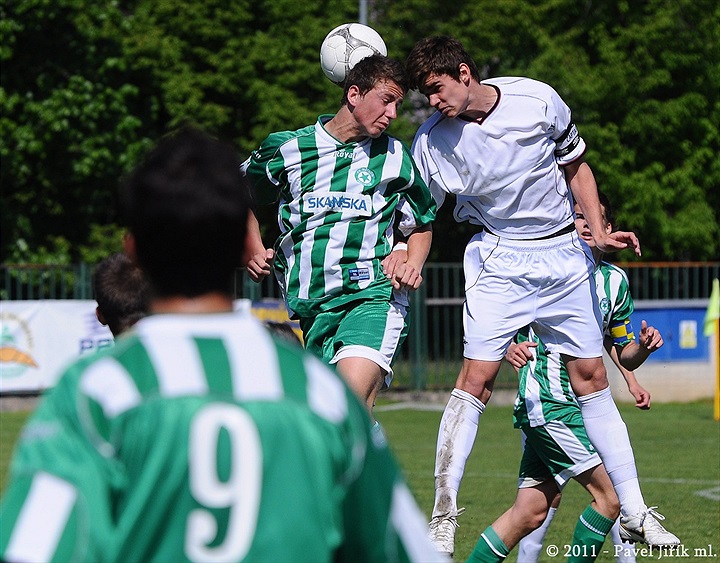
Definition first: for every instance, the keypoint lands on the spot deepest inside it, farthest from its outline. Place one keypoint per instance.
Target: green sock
(589, 536)
(489, 548)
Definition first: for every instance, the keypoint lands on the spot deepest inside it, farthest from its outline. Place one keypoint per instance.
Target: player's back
(198, 437)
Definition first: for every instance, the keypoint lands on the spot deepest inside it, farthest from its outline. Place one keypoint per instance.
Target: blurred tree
(67, 129)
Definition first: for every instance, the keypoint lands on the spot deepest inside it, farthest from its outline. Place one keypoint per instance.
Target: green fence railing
(432, 354)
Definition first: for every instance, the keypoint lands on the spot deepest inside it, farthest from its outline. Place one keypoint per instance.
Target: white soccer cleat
(645, 527)
(442, 531)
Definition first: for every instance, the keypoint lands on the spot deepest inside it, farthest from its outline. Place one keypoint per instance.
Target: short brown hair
(373, 69)
(438, 55)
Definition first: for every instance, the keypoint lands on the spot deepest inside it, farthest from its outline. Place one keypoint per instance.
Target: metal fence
(432, 354)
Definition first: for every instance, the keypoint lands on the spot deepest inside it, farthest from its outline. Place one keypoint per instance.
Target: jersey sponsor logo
(358, 205)
(343, 153)
(359, 274)
(365, 176)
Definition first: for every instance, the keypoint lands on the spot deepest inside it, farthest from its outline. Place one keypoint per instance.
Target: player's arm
(382, 521)
(584, 189)
(257, 258)
(638, 350)
(639, 393)
(409, 273)
(520, 353)
(56, 504)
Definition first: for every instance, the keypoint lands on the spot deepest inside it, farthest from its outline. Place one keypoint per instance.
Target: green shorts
(372, 329)
(559, 450)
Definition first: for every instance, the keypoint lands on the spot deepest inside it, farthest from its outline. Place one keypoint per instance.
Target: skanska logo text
(357, 204)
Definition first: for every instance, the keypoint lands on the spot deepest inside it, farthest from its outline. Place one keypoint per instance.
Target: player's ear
(128, 243)
(353, 95)
(465, 74)
(100, 316)
(608, 228)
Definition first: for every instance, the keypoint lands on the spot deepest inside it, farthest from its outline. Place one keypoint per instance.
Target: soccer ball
(345, 45)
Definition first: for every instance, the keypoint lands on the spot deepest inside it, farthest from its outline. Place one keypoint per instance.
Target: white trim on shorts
(573, 448)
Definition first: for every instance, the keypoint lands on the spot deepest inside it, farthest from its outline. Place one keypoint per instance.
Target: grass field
(677, 449)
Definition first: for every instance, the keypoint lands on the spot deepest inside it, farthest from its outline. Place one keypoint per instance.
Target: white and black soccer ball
(345, 45)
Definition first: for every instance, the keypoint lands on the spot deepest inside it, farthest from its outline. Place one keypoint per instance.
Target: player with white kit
(507, 148)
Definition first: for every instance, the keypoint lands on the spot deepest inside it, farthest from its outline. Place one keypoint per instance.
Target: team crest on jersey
(355, 205)
(365, 176)
(605, 305)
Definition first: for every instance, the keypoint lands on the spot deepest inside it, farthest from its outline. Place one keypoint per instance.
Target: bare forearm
(632, 356)
(419, 243)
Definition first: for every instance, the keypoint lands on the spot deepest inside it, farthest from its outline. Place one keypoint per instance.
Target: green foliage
(86, 89)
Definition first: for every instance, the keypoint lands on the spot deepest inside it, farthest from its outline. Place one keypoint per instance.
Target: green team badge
(605, 305)
(365, 176)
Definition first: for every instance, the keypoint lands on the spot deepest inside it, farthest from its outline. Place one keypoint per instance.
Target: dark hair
(609, 214)
(438, 55)
(369, 71)
(187, 206)
(121, 292)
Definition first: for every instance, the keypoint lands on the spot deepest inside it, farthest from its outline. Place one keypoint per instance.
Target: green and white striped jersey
(337, 203)
(544, 391)
(616, 303)
(200, 437)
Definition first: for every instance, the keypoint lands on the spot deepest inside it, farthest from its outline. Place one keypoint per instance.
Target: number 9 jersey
(202, 438)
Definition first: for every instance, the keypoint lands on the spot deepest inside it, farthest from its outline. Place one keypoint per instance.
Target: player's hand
(619, 240)
(519, 354)
(406, 275)
(392, 261)
(641, 395)
(258, 267)
(650, 338)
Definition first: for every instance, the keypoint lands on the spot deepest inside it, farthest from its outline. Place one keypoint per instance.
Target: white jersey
(506, 169)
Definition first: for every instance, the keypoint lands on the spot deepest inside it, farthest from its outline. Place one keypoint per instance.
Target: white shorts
(547, 283)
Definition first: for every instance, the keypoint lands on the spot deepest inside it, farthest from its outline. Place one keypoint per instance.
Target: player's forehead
(389, 89)
(433, 82)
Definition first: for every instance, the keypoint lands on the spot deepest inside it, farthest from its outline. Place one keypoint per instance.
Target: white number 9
(240, 492)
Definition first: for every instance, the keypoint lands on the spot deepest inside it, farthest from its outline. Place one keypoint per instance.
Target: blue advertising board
(682, 331)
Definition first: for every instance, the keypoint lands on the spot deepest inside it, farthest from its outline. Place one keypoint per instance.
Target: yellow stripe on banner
(716, 338)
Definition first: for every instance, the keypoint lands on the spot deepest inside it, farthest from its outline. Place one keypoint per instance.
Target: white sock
(609, 435)
(530, 546)
(456, 437)
(624, 552)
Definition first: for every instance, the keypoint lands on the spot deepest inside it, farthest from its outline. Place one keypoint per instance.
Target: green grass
(10, 426)
(677, 450)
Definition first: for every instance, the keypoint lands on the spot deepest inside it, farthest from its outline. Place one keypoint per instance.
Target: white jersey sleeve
(569, 145)
(428, 167)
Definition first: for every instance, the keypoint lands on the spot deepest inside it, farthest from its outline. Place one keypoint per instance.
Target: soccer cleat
(442, 531)
(645, 527)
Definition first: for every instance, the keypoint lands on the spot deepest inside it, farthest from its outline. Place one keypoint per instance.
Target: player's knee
(608, 504)
(587, 375)
(478, 378)
(533, 519)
